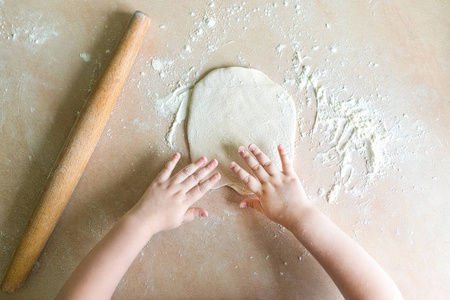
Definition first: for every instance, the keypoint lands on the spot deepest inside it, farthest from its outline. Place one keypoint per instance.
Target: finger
(285, 161)
(201, 173)
(202, 188)
(168, 168)
(263, 160)
(193, 213)
(188, 170)
(253, 203)
(251, 182)
(254, 165)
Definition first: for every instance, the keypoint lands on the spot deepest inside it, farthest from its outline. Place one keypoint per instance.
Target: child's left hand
(166, 203)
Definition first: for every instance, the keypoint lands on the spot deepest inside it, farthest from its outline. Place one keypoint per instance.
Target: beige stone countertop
(370, 80)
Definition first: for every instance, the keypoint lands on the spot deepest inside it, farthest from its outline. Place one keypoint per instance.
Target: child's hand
(280, 194)
(165, 204)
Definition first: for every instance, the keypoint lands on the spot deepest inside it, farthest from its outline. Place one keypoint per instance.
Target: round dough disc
(232, 107)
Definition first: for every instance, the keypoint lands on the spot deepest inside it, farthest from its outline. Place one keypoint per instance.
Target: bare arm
(280, 196)
(165, 205)
(355, 272)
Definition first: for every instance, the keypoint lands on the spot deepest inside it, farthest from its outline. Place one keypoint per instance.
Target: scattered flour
(170, 104)
(280, 49)
(210, 21)
(85, 56)
(181, 97)
(161, 66)
(157, 65)
(30, 27)
(187, 48)
(351, 133)
(349, 127)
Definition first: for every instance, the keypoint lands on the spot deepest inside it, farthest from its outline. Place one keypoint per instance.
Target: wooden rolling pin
(75, 154)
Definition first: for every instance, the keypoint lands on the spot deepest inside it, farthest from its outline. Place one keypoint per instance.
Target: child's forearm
(281, 197)
(355, 273)
(165, 205)
(101, 270)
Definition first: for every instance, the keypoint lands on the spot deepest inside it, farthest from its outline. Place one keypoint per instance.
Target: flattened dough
(232, 107)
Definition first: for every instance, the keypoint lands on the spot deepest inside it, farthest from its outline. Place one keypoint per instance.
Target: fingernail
(280, 147)
(217, 176)
(203, 214)
(213, 163)
(241, 149)
(252, 147)
(232, 164)
(176, 155)
(243, 205)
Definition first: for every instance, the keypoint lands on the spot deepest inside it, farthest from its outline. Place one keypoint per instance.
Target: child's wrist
(143, 223)
(299, 217)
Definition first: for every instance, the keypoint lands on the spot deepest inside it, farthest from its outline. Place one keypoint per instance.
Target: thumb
(253, 203)
(193, 213)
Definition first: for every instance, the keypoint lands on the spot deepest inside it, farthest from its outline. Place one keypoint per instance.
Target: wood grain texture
(75, 154)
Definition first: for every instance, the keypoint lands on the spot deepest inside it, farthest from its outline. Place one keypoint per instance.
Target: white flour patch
(180, 116)
(161, 66)
(350, 130)
(85, 56)
(157, 65)
(174, 106)
(280, 49)
(170, 104)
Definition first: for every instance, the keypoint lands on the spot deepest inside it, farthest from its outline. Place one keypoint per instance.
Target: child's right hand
(280, 194)
(282, 199)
